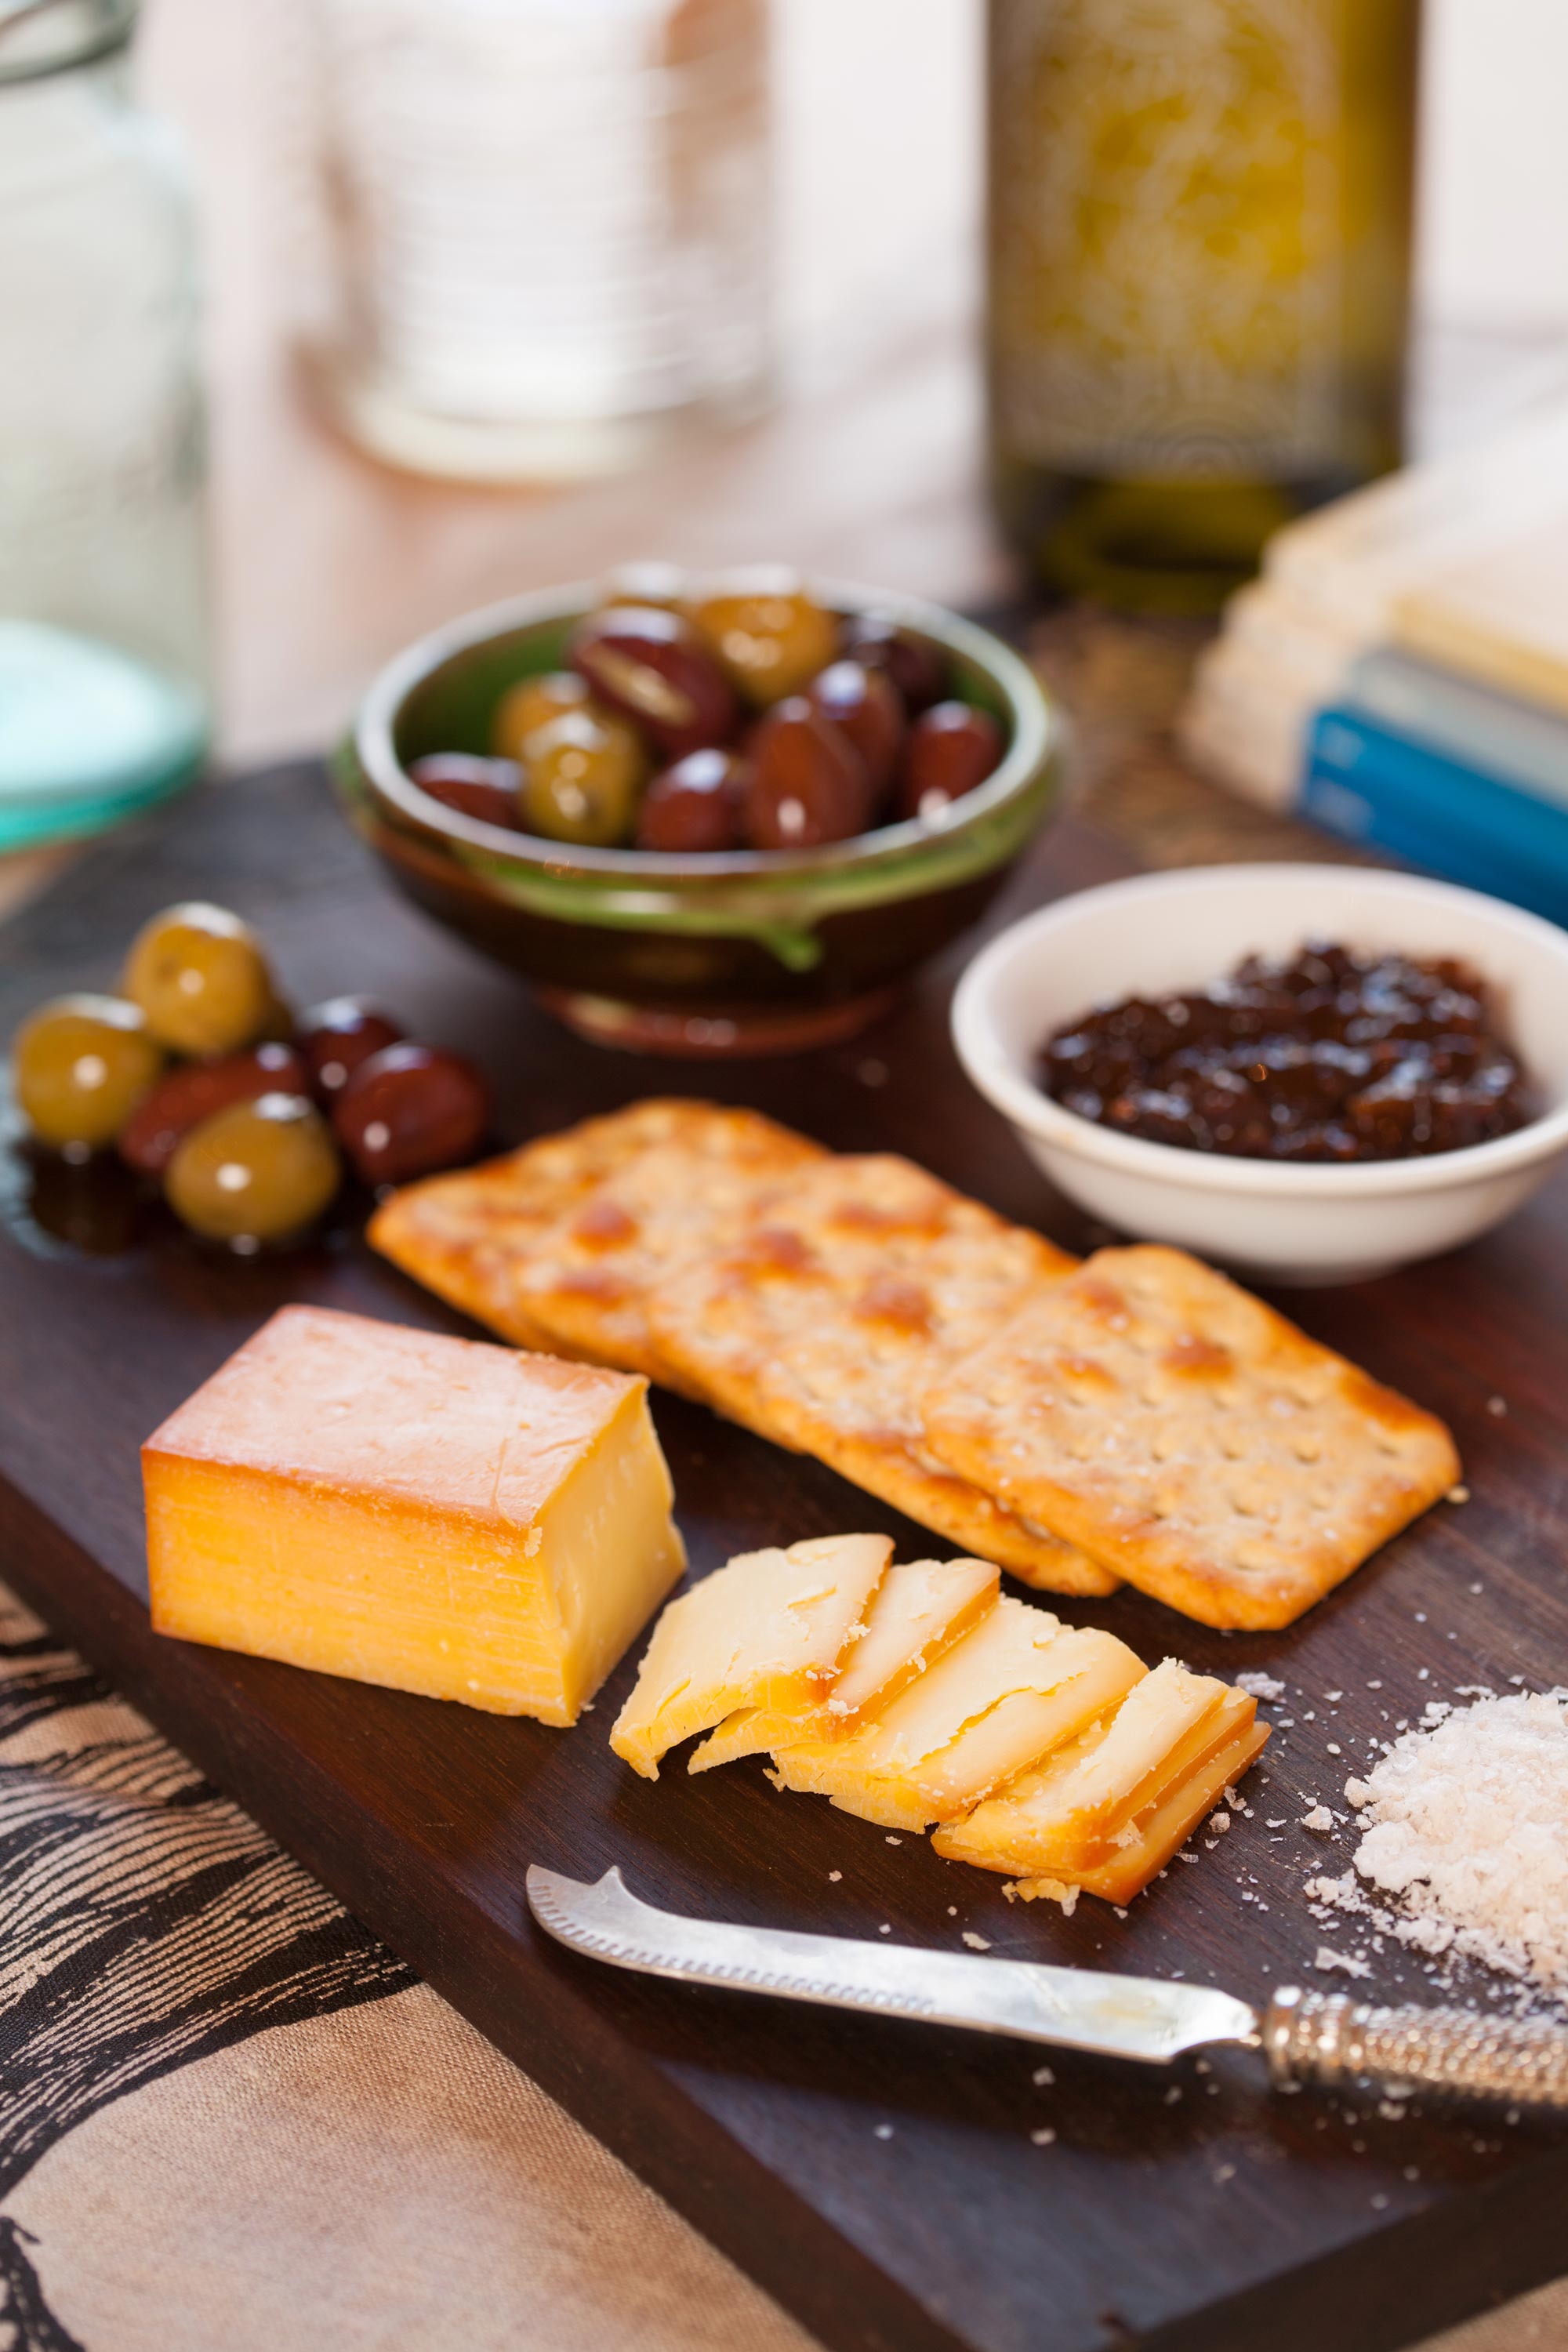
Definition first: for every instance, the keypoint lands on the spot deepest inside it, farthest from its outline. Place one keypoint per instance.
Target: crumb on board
(975, 1943)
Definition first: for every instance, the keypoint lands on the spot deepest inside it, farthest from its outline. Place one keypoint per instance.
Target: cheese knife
(1308, 2038)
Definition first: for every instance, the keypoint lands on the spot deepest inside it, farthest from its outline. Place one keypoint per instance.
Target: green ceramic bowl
(740, 952)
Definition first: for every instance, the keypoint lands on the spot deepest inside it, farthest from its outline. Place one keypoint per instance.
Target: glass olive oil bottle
(1199, 252)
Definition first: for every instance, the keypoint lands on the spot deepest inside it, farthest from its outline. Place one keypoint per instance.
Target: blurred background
(872, 463)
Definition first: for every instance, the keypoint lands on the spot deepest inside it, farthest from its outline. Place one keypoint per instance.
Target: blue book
(1368, 783)
(1511, 741)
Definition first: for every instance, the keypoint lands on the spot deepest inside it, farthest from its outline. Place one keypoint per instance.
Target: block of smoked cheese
(438, 1515)
(1109, 1811)
(768, 1631)
(920, 1607)
(1016, 1687)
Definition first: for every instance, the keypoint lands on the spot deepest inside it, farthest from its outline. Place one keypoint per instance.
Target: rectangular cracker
(1149, 1409)
(842, 1301)
(556, 1247)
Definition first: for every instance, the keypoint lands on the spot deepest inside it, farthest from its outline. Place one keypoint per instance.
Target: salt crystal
(1329, 1958)
(884, 2131)
(1466, 1822)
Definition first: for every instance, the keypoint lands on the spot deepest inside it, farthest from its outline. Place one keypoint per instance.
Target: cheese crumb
(1320, 1819)
(1042, 2078)
(884, 2131)
(833, 1876)
(1466, 1820)
(1458, 1493)
(1259, 1686)
(1219, 1821)
(977, 1943)
(1043, 2136)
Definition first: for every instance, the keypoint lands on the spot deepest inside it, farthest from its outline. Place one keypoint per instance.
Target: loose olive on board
(949, 749)
(199, 976)
(486, 789)
(81, 1066)
(808, 782)
(186, 1095)
(696, 804)
(865, 705)
(581, 780)
(916, 667)
(648, 665)
(531, 704)
(259, 1171)
(335, 1037)
(770, 640)
(409, 1110)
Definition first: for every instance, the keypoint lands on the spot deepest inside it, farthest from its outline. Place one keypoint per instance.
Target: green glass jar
(1199, 260)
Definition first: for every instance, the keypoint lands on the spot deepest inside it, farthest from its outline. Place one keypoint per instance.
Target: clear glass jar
(545, 226)
(104, 704)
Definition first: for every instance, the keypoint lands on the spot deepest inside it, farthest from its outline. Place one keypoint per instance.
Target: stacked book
(1399, 673)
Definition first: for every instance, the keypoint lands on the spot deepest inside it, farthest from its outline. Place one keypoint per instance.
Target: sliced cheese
(1015, 1687)
(920, 1607)
(435, 1514)
(1083, 1808)
(1165, 1824)
(766, 1630)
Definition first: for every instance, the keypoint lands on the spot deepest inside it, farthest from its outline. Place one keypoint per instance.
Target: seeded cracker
(1147, 1408)
(556, 1245)
(840, 1304)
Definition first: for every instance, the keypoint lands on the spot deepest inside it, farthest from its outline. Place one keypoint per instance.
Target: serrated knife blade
(1073, 2008)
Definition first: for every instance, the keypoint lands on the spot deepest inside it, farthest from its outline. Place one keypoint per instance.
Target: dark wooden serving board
(1226, 2218)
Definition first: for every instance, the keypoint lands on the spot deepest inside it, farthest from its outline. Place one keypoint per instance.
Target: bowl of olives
(705, 816)
(196, 1083)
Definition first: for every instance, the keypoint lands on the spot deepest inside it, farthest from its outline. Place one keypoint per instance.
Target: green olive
(199, 974)
(82, 1064)
(259, 1171)
(533, 703)
(582, 777)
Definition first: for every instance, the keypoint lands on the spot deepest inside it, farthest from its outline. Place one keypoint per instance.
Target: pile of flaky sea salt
(1464, 1823)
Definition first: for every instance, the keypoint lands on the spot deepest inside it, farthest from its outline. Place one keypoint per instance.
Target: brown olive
(531, 704)
(486, 789)
(808, 781)
(81, 1064)
(582, 778)
(199, 974)
(917, 668)
(409, 1110)
(949, 749)
(183, 1097)
(865, 705)
(696, 804)
(646, 583)
(771, 639)
(259, 1171)
(337, 1036)
(648, 665)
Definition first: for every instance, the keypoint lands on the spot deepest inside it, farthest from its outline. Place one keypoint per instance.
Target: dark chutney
(1329, 1055)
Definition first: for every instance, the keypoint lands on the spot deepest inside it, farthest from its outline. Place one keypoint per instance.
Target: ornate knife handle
(1326, 2039)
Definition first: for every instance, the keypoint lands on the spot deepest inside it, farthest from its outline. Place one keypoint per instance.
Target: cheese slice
(766, 1630)
(435, 1514)
(1085, 1808)
(1164, 1824)
(919, 1609)
(1012, 1689)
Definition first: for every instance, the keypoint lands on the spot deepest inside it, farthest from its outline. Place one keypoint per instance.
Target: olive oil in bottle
(1198, 278)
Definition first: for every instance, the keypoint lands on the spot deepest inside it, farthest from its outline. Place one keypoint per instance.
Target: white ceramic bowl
(1299, 1223)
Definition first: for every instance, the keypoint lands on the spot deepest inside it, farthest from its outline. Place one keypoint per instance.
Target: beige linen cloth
(230, 2118)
